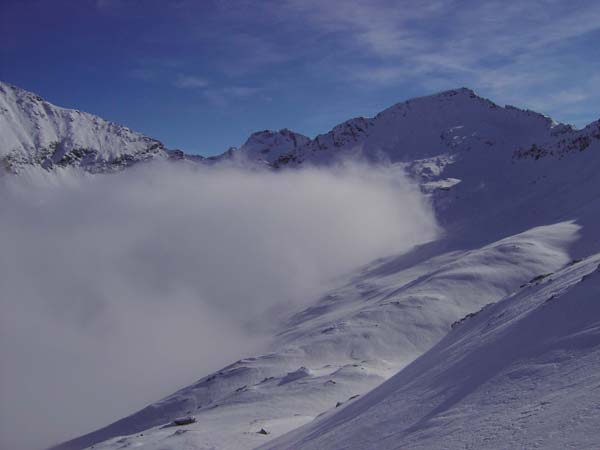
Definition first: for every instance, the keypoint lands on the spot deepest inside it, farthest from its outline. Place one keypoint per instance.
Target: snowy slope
(510, 212)
(35, 132)
(348, 342)
(522, 373)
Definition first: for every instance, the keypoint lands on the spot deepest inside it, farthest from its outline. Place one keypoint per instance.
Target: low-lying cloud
(118, 289)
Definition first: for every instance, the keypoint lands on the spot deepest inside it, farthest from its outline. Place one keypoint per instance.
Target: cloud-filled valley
(119, 289)
(299, 225)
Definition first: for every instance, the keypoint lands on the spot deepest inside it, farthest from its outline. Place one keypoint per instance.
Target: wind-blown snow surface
(517, 195)
(522, 373)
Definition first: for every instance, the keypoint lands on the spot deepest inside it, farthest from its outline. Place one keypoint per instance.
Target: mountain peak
(452, 95)
(35, 132)
(269, 144)
(265, 135)
(458, 91)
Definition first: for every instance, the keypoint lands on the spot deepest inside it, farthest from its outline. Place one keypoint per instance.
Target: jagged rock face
(35, 132)
(565, 140)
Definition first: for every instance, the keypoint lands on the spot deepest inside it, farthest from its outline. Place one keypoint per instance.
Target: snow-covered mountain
(518, 197)
(36, 132)
(521, 373)
(452, 121)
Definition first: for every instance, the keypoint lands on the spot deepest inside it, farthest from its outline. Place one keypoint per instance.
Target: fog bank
(119, 289)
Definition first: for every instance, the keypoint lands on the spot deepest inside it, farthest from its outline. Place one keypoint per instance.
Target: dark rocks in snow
(176, 154)
(184, 420)
(267, 379)
(540, 277)
(468, 316)
(263, 431)
(293, 376)
(181, 421)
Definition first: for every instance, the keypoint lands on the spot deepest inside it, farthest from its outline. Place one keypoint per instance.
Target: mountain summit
(36, 132)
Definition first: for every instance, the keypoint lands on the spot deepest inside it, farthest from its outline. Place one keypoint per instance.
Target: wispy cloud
(219, 96)
(508, 50)
(381, 28)
(127, 269)
(224, 97)
(512, 52)
(190, 81)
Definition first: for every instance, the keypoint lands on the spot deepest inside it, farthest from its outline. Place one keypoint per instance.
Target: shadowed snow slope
(517, 196)
(522, 373)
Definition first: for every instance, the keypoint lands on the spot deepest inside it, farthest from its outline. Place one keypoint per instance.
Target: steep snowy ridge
(516, 195)
(522, 373)
(35, 132)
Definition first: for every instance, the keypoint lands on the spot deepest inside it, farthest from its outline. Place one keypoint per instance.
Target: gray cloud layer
(119, 289)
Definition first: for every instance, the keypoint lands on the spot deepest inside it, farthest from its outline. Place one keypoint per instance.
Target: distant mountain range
(36, 132)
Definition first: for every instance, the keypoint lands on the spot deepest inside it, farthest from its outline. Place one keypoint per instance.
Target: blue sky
(201, 75)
